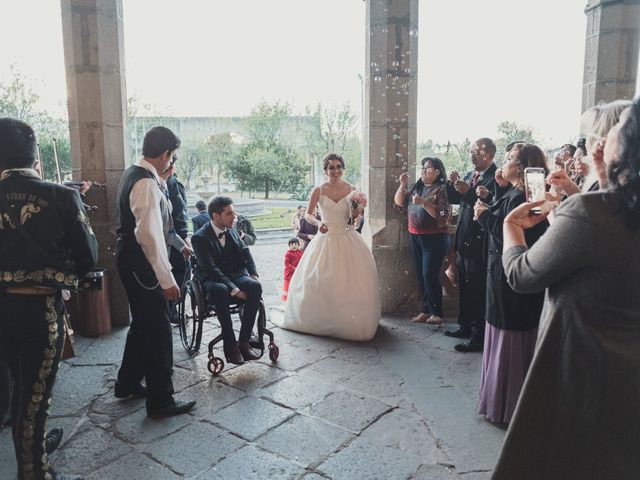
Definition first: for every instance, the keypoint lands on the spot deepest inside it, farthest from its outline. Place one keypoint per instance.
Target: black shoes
(470, 346)
(174, 408)
(459, 333)
(233, 355)
(122, 391)
(52, 439)
(247, 352)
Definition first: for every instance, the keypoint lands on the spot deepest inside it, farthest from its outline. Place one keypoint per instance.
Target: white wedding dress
(334, 291)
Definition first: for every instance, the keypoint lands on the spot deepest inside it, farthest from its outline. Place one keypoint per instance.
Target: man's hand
(323, 228)
(461, 186)
(454, 176)
(187, 251)
(417, 200)
(482, 192)
(255, 277)
(241, 295)
(171, 293)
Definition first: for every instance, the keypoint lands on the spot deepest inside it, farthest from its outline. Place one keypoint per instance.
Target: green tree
(19, 99)
(221, 150)
(335, 131)
(267, 162)
(512, 132)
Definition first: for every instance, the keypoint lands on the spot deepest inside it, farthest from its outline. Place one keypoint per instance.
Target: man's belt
(30, 290)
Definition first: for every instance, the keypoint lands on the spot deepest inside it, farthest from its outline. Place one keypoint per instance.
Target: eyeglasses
(335, 167)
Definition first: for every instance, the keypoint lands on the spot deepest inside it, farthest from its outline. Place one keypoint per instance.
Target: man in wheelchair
(227, 273)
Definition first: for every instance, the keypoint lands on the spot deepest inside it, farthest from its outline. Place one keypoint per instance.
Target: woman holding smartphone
(511, 318)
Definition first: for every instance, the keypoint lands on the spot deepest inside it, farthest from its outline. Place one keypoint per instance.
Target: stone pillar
(390, 141)
(611, 51)
(94, 64)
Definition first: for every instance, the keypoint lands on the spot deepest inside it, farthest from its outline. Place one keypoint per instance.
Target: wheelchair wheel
(215, 365)
(274, 352)
(190, 319)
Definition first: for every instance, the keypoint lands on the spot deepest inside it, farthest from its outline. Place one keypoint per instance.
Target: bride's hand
(323, 228)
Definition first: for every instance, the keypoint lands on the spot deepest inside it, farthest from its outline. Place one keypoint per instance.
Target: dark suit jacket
(178, 199)
(200, 220)
(208, 252)
(470, 234)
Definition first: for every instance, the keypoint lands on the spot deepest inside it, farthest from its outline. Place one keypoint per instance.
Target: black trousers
(148, 351)
(31, 337)
(219, 295)
(472, 281)
(181, 270)
(428, 252)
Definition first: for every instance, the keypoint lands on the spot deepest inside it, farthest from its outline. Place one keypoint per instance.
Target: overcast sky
(480, 62)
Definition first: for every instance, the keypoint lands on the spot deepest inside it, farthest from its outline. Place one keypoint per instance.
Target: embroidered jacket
(62, 247)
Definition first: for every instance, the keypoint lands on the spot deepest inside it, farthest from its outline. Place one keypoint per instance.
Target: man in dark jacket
(47, 246)
(180, 267)
(470, 244)
(228, 273)
(199, 220)
(245, 230)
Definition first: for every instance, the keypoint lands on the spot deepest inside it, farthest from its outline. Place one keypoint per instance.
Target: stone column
(390, 141)
(611, 51)
(94, 61)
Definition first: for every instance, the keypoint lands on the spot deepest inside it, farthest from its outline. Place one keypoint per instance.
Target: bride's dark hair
(624, 171)
(329, 157)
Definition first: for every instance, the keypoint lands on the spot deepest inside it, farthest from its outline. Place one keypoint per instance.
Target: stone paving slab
(182, 451)
(251, 417)
(133, 466)
(365, 460)
(296, 391)
(348, 410)
(305, 440)
(89, 451)
(138, 428)
(251, 463)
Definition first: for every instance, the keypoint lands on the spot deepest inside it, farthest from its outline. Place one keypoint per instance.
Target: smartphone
(171, 163)
(534, 186)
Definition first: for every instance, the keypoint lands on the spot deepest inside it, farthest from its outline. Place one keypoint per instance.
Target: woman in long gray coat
(578, 416)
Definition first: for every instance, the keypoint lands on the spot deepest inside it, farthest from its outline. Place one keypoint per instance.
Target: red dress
(291, 260)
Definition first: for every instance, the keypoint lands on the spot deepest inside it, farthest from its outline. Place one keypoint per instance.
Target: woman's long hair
(624, 171)
(530, 155)
(441, 179)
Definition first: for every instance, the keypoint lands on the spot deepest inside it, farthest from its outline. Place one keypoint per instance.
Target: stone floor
(402, 406)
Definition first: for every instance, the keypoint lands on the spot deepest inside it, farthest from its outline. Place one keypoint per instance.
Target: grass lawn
(280, 217)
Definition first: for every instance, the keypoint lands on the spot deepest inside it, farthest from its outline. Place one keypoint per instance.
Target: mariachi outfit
(145, 233)
(46, 245)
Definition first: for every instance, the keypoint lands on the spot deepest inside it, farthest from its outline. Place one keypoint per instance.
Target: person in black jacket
(180, 267)
(199, 220)
(47, 246)
(470, 243)
(228, 273)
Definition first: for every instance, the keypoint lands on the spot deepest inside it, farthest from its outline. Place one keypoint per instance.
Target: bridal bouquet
(357, 199)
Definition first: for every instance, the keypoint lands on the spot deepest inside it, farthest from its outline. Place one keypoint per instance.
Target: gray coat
(578, 416)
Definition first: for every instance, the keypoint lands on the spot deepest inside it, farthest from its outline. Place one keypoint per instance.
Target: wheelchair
(193, 310)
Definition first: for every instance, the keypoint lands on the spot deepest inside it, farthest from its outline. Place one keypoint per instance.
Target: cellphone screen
(534, 181)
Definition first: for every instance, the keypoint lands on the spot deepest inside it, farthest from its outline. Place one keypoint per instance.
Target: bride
(334, 290)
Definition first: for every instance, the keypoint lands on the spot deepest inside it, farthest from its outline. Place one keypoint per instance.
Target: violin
(80, 186)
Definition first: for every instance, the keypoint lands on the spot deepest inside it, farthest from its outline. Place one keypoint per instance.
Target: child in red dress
(291, 260)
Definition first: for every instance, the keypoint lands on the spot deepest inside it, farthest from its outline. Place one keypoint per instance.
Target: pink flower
(358, 199)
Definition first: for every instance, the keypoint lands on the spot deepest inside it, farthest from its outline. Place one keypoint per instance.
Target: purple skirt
(505, 362)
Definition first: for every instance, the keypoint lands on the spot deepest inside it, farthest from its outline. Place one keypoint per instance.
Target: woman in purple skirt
(511, 318)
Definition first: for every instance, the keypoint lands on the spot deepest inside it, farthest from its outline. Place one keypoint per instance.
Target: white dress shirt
(152, 212)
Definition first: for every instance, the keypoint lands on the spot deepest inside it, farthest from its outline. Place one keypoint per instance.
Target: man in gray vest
(145, 232)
